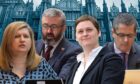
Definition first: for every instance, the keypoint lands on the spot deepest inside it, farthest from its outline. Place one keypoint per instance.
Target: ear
(99, 34)
(64, 28)
(113, 32)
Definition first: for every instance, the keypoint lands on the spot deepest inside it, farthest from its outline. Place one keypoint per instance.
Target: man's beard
(49, 39)
(50, 42)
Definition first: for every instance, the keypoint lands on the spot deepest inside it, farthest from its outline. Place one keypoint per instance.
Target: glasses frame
(53, 26)
(121, 35)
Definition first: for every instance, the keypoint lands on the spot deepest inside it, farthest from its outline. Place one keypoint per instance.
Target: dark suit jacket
(107, 68)
(133, 57)
(63, 56)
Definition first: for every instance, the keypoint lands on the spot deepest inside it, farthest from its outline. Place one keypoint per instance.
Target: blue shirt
(42, 72)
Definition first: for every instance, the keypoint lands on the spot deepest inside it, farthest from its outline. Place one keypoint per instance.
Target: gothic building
(14, 10)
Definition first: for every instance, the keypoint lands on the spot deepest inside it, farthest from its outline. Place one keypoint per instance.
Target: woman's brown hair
(6, 54)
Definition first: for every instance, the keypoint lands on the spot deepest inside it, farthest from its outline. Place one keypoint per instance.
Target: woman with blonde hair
(18, 58)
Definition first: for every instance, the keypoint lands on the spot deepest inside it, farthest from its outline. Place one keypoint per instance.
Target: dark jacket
(133, 57)
(63, 56)
(107, 68)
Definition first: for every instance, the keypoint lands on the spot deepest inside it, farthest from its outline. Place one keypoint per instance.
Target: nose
(125, 38)
(84, 33)
(22, 38)
(49, 30)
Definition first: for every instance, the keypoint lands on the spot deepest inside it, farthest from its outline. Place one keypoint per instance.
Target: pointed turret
(106, 21)
(91, 7)
(139, 5)
(123, 8)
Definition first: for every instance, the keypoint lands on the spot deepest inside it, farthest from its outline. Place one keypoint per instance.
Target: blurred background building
(14, 10)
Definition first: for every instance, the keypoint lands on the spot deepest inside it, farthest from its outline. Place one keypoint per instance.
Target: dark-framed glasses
(53, 26)
(122, 35)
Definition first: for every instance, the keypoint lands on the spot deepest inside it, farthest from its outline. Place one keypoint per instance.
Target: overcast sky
(100, 3)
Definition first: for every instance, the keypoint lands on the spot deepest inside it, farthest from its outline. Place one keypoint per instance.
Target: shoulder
(110, 59)
(38, 45)
(109, 44)
(39, 41)
(136, 46)
(106, 54)
(70, 45)
(44, 65)
(43, 62)
(44, 70)
(112, 55)
(109, 47)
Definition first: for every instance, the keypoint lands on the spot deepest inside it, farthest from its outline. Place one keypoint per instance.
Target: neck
(18, 62)
(19, 65)
(88, 49)
(19, 59)
(87, 52)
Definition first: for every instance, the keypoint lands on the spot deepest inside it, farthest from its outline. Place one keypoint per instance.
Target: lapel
(73, 70)
(96, 61)
(132, 58)
(58, 52)
(40, 46)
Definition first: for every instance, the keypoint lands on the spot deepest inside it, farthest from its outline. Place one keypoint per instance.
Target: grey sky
(100, 3)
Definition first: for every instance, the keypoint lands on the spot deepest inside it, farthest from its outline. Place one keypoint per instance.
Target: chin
(51, 42)
(86, 45)
(124, 50)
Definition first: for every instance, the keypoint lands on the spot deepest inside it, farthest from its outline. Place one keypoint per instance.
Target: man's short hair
(124, 18)
(54, 12)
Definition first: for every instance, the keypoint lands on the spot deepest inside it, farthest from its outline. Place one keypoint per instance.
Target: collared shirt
(54, 46)
(81, 69)
(42, 72)
(117, 51)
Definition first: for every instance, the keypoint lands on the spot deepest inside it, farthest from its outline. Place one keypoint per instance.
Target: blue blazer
(107, 68)
(63, 56)
(133, 57)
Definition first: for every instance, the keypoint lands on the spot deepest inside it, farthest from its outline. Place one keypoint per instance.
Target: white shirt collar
(117, 50)
(81, 69)
(92, 54)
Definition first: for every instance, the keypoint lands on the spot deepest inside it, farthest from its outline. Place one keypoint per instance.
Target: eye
(80, 31)
(89, 30)
(17, 36)
(130, 35)
(121, 35)
(26, 36)
(45, 26)
(53, 26)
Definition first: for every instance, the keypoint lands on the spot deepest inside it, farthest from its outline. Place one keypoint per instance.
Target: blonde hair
(32, 59)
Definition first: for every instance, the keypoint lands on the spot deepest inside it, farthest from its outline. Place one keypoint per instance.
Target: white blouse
(82, 68)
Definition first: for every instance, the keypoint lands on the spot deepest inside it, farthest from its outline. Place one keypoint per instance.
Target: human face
(87, 35)
(52, 29)
(124, 37)
(22, 41)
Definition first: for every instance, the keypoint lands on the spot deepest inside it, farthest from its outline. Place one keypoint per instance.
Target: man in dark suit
(63, 52)
(124, 33)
